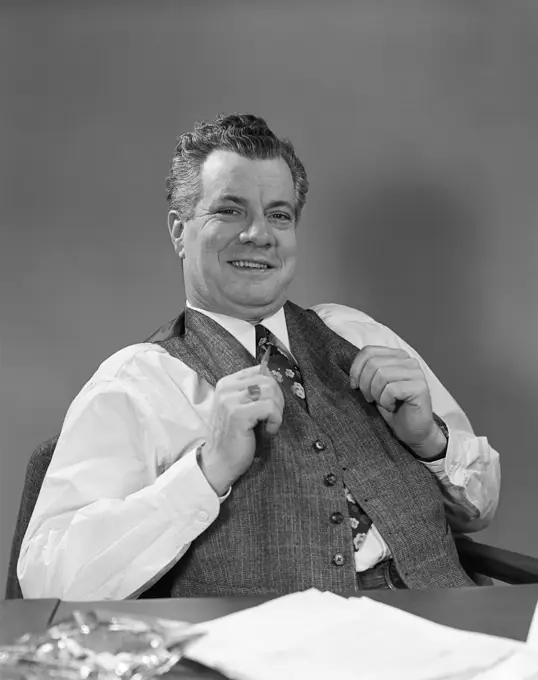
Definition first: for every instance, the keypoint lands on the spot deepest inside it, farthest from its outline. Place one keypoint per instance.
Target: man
(339, 465)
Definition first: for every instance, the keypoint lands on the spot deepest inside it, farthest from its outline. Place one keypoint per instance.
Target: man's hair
(247, 135)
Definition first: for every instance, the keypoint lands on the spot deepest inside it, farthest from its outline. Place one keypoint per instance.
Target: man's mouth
(250, 264)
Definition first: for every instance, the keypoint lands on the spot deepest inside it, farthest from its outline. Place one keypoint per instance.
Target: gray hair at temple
(247, 135)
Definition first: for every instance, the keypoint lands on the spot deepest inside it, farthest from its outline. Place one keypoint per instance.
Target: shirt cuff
(188, 492)
(448, 468)
(198, 453)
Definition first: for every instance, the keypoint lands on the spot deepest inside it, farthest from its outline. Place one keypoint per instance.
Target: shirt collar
(244, 331)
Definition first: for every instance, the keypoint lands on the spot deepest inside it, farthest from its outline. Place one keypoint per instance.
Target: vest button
(338, 559)
(319, 445)
(337, 518)
(330, 479)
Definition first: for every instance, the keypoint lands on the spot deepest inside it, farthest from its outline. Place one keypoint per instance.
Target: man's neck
(254, 321)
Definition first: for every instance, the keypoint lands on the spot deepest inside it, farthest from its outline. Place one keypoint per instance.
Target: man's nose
(258, 232)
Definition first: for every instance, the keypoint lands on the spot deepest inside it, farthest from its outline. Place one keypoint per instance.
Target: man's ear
(175, 227)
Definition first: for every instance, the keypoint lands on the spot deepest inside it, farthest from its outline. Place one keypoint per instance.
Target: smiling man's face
(239, 250)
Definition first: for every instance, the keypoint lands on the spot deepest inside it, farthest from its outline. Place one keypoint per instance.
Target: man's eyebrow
(232, 198)
(279, 204)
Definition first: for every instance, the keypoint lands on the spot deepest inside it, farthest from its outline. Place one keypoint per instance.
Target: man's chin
(251, 307)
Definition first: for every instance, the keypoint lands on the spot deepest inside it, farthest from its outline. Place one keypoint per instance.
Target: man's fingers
(237, 382)
(270, 389)
(274, 419)
(256, 390)
(256, 379)
(410, 391)
(247, 373)
(373, 379)
(263, 410)
(230, 382)
(373, 353)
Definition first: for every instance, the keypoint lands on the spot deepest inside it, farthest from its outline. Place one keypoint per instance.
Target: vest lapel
(315, 349)
(206, 347)
(318, 355)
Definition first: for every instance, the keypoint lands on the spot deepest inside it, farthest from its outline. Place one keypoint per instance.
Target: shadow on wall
(411, 250)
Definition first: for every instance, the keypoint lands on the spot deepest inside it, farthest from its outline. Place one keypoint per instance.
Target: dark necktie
(287, 374)
(281, 364)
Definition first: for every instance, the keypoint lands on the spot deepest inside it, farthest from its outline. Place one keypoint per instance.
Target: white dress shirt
(124, 497)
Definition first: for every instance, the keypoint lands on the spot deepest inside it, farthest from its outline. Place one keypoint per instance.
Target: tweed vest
(274, 534)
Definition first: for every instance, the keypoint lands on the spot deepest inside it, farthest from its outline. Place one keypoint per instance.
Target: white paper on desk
(316, 636)
(532, 637)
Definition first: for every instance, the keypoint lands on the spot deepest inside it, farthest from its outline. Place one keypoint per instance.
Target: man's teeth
(253, 265)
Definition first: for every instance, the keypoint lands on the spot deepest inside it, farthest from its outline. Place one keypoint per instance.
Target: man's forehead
(226, 172)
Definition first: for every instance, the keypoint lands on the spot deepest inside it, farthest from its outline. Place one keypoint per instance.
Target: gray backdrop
(417, 122)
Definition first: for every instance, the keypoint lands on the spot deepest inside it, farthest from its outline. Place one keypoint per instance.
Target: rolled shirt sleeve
(124, 496)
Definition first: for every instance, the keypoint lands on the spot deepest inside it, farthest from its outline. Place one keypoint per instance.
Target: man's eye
(281, 217)
(229, 211)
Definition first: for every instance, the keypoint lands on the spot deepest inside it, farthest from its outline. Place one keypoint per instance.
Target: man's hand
(231, 444)
(396, 383)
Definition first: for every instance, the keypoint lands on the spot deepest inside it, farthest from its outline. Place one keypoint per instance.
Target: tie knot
(262, 333)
